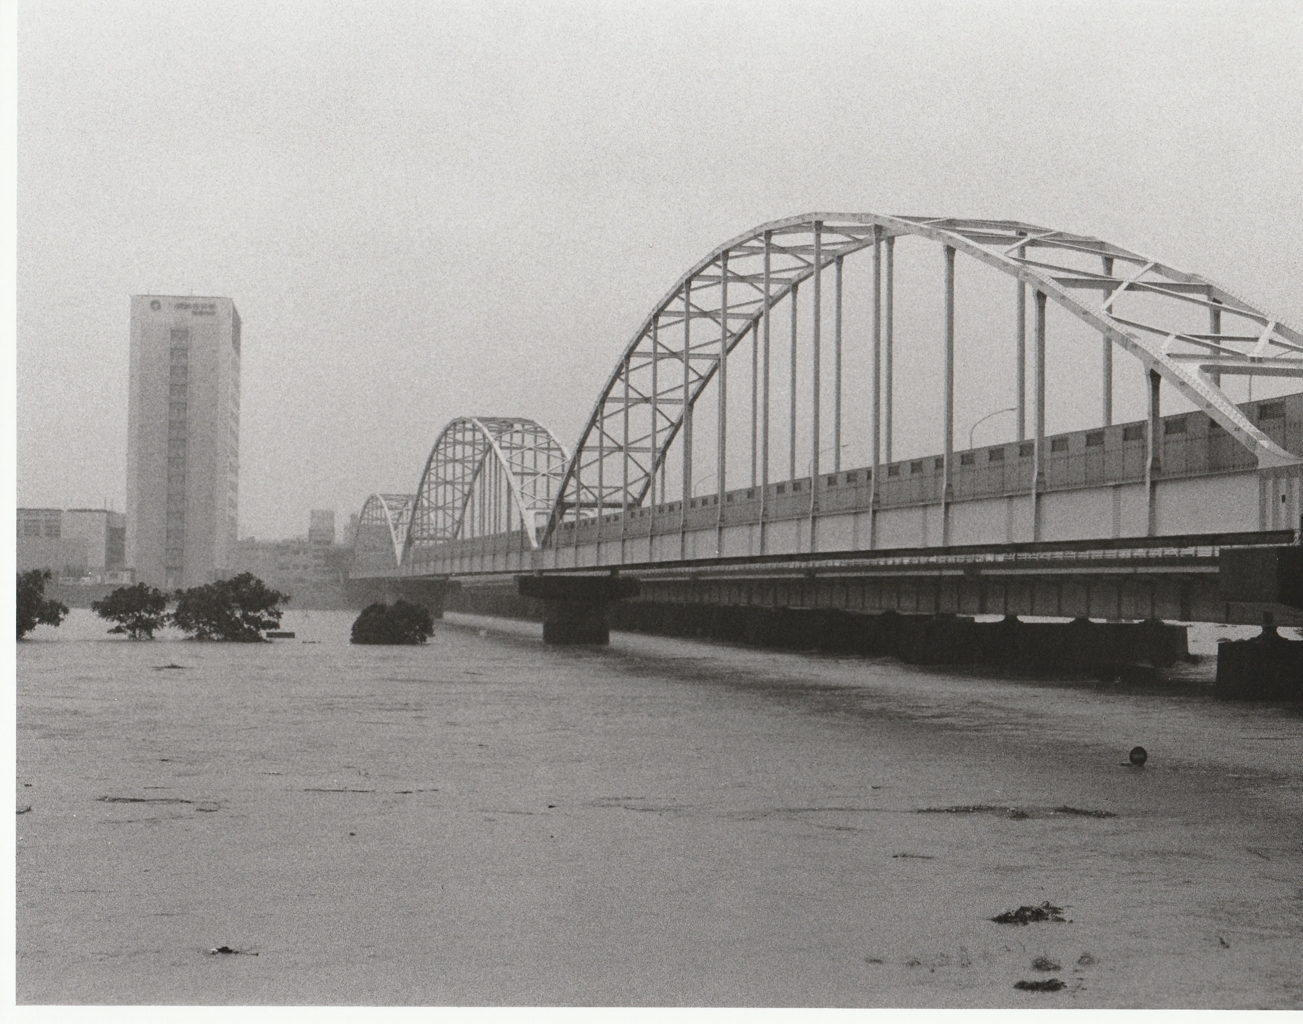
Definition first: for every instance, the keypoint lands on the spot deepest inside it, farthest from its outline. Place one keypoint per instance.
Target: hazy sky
(426, 210)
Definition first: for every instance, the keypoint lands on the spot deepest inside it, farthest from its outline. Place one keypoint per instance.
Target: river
(486, 820)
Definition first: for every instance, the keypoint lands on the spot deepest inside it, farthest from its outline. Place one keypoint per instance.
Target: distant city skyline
(440, 210)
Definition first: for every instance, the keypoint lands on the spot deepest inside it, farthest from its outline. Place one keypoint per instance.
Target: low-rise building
(77, 545)
(310, 569)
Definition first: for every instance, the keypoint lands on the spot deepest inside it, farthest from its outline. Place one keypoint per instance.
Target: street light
(809, 466)
(1012, 408)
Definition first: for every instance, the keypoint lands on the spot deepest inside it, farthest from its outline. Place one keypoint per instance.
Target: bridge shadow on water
(879, 686)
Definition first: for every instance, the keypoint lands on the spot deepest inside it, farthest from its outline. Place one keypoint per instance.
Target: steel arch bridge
(484, 476)
(492, 476)
(381, 532)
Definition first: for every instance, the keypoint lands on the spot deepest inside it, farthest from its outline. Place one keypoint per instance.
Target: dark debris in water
(160, 668)
(1044, 963)
(143, 800)
(1018, 813)
(24, 810)
(1083, 812)
(228, 951)
(1048, 985)
(912, 856)
(1047, 911)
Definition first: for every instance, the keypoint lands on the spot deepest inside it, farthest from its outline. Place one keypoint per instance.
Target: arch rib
(384, 517)
(1181, 357)
(528, 455)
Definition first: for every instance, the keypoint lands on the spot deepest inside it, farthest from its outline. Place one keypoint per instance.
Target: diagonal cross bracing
(674, 356)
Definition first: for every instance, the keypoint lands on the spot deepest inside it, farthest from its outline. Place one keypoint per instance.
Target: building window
(1059, 444)
(968, 459)
(1095, 439)
(177, 409)
(1027, 449)
(996, 455)
(1176, 426)
(1135, 432)
(893, 471)
(915, 468)
(1271, 411)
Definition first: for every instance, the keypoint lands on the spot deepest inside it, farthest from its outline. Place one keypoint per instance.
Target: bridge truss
(511, 477)
(381, 532)
(684, 345)
(485, 476)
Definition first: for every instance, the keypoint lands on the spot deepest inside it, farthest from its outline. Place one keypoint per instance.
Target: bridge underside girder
(1191, 596)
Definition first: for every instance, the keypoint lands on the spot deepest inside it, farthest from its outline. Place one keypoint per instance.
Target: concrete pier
(1267, 667)
(575, 607)
(430, 594)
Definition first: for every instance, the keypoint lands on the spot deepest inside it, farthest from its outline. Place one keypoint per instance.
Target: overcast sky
(426, 210)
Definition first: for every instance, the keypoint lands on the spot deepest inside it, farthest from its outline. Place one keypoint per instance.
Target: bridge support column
(1267, 667)
(948, 469)
(1153, 451)
(1038, 443)
(429, 594)
(574, 607)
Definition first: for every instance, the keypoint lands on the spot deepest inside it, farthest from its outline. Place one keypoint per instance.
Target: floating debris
(160, 668)
(1017, 813)
(912, 856)
(1044, 963)
(1048, 985)
(1083, 812)
(228, 951)
(142, 800)
(24, 810)
(1085, 960)
(1138, 756)
(1047, 911)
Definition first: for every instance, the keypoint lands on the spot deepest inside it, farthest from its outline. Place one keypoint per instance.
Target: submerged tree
(399, 623)
(32, 608)
(241, 608)
(137, 610)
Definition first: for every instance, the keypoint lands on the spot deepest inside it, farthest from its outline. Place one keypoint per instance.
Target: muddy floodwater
(485, 820)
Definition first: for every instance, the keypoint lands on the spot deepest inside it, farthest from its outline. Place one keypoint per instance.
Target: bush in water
(32, 608)
(399, 623)
(137, 610)
(241, 608)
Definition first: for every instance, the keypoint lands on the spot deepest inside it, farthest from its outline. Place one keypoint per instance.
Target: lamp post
(809, 466)
(1012, 408)
(700, 480)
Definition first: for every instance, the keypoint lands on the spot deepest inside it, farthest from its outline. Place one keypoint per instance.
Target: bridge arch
(647, 401)
(484, 476)
(381, 531)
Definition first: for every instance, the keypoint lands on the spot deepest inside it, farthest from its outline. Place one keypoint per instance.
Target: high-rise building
(183, 439)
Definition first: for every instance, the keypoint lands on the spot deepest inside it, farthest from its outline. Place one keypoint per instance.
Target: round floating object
(1138, 756)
